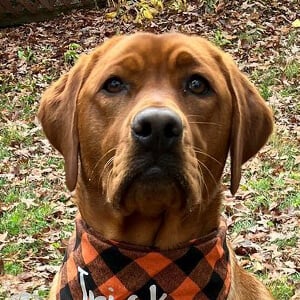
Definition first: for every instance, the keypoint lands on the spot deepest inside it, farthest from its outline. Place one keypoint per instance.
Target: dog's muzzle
(157, 159)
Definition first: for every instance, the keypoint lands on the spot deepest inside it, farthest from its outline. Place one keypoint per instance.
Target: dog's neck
(165, 231)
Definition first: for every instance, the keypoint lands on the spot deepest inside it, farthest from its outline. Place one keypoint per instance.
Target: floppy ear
(252, 123)
(57, 114)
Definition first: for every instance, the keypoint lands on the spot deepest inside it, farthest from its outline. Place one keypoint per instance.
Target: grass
(20, 220)
(220, 39)
(281, 288)
(15, 255)
(13, 268)
(273, 177)
(287, 70)
(24, 217)
(280, 171)
(287, 242)
(292, 70)
(242, 225)
(71, 55)
(276, 185)
(26, 54)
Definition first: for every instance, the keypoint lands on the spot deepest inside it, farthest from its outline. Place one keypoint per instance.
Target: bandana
(99, 269)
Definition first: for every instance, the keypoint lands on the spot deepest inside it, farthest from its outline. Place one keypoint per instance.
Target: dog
(145, 124)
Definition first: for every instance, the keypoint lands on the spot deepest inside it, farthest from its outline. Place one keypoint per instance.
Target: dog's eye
(114, 85)
(197, 85)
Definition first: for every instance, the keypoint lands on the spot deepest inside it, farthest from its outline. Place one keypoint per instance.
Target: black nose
(157, 129)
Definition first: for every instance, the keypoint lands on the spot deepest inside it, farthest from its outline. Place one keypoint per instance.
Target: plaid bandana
(98, 269)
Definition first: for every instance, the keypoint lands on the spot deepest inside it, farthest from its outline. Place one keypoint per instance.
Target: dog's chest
(107, 270)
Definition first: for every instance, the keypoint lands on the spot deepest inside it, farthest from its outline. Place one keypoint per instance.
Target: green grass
(220, 39)
(243, 225)
(274, 179)
(272, 189)
(13, 268)
(43, 294)
(288, 242)
(251, 36)
(9, 195)
(14, 135)
(290, 91)
(266, 80)
(72, 54)
(292, 70)
(26, 54)
(15, 255)
(283, 69)
(21, 220)
(293, 37)
(292, 201)
(281, 289)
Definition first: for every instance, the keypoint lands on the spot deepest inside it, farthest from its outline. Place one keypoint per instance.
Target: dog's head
(145, 122)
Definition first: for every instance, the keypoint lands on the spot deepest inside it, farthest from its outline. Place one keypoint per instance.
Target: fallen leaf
(296, 23)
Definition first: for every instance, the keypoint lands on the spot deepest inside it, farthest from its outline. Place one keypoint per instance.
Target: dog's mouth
(157, 181)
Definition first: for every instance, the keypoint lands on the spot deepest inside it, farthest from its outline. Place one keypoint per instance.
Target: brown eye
(197, 85)
(114, 85)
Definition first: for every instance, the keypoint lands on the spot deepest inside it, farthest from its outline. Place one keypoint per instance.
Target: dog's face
(152, 119)
(153, 123)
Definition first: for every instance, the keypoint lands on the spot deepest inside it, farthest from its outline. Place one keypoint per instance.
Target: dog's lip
(154, 174)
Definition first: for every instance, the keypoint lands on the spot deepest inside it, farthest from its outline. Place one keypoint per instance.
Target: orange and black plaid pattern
(94, 267)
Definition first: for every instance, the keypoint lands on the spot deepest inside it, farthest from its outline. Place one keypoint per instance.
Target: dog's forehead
(159, 48)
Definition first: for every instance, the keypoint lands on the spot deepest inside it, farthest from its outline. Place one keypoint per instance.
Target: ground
(35, 208)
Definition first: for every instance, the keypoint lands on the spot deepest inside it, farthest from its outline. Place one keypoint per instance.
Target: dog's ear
(57, 114)
(252, 123)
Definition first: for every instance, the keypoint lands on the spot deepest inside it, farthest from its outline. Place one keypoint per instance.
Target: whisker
(109, 177)
(197, 150)
(201, 176)
(208, 170)
(101, 158)
(107, 164)
(205, 123)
